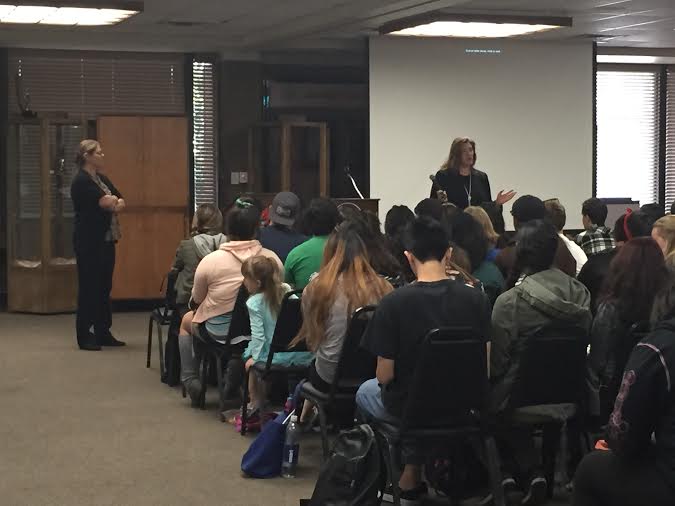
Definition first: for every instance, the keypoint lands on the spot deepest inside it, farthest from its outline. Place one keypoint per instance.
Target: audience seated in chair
(345, 283)
(596, 237)
(280, 235)
(467, 233)
(262, 278)
(543, 297)
(216, 284)
(635, 464)
(395, 222)
(635, 275)
(528, 208)
(663, 233)
(555, 213)
(628, 226)
(493, 238)
(400, 324)
(207, 236)
(319, 220)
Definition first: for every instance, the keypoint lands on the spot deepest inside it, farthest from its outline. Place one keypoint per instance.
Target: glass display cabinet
(289, 156)
(42, 273)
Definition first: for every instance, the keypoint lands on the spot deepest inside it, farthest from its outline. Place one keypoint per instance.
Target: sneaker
(537, 492)
(415, 496)
(510, 489)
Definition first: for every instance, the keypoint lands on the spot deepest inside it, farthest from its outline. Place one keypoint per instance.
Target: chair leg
(550, 446)
(160, 345)
(392, 454)
(221, 392)
(205, 374)
(244, 403)
(183, 391)
(149, 353)
(494, 473)
(323, 424)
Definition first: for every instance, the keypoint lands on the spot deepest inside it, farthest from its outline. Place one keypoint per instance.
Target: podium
(371, 205)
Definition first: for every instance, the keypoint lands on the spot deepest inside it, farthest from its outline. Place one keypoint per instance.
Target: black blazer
(91, 221)
(456, 187)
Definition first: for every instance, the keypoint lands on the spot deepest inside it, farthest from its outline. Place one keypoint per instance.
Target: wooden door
(147, 160)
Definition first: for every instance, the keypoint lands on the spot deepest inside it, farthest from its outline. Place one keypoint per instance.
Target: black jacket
(456, 187)
(91, 221)
(645, 405)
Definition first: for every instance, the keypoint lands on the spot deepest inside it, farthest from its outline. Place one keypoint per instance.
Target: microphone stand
(349, 175)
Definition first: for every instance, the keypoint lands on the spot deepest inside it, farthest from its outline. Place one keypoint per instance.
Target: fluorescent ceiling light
(79, 15)
(471, 29)
(634, 58)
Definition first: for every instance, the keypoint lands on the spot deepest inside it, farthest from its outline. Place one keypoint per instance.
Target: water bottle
(289, 461)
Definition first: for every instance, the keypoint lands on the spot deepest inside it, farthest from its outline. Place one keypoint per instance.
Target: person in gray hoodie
(542, 297)
(207, 236)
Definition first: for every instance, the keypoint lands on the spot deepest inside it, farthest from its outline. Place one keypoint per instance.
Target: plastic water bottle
(289, 461)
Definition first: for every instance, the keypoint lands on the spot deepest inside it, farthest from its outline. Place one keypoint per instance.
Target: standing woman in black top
(460, 183)
(96, 202)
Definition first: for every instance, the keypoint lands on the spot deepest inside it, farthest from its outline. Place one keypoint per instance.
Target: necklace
(468, 192)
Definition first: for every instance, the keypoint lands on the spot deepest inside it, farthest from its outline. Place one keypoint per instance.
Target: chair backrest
(552, 368)
(625, 345)
(355, 364)
(449, 387)
(288, 325)
(240, 324)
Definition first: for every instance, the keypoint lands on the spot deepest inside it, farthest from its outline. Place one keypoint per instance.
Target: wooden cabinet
(147, 160)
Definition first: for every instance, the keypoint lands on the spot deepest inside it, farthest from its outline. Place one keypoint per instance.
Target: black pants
(95, 265)
(603, 479)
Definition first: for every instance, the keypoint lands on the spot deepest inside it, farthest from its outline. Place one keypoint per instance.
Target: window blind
(627, 118)
(670, 138)
(204, 137)
(96, 83)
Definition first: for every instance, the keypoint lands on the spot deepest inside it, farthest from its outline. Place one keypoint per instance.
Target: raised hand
(504, 197)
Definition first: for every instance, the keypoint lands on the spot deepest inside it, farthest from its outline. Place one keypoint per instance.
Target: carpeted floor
(98, 428)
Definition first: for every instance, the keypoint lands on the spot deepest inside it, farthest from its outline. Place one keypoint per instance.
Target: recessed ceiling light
(440, 24)
(463, 29)
(78, 13)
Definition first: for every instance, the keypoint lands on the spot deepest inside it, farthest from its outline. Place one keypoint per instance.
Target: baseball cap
(285, 208)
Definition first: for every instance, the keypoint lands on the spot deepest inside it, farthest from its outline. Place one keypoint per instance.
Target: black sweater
(457, 186)
(646, 403)
(91, 221)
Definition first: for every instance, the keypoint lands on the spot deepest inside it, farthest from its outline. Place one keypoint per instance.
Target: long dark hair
(452, 163)
(537, 242)
(635, 275)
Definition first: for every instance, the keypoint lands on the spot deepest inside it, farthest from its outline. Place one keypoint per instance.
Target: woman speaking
(96, 202)
(458, 181)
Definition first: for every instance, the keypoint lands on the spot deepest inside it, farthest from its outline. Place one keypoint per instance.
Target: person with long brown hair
(345, 282)
(96, 202)
(459, 182)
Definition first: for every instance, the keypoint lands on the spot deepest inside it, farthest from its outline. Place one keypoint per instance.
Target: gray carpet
(98, 428)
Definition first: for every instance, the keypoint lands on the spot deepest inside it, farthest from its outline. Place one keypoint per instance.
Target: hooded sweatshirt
(188, 255)
(219, 277)
(547, 298)
(642, 426)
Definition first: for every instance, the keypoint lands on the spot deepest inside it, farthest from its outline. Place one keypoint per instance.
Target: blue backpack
(263, 457)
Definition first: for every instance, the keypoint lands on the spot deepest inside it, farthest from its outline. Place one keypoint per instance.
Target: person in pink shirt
(217, 281)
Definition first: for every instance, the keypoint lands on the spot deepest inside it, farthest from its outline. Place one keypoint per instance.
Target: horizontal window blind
(670, 138)
(627, 119)
(96, 83)
(204, 141)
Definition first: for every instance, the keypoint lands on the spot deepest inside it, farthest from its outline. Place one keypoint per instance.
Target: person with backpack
(262, 279)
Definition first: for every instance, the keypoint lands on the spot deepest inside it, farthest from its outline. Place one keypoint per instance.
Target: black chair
(550, 378)
(437, 420)
(355, 366)
(214, 352)
(288, 325)
(162, 316)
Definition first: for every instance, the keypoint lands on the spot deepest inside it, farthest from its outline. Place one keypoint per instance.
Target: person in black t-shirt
(460, 183)
(402, 320)
(96, 202)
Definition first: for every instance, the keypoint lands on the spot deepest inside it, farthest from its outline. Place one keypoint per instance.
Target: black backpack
(354, 472)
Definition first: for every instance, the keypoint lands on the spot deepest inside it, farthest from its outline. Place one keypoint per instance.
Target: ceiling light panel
(64, 16)
(472, 29)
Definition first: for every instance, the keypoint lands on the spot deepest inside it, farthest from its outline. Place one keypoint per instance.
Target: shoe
(510, 489)
(537, 492)
(109, 340)
(415, 496)
(89, 346)
(194, 390)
